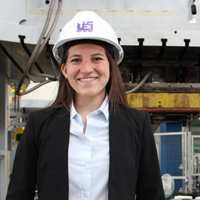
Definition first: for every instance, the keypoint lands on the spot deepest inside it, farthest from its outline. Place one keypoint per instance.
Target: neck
(86, 105)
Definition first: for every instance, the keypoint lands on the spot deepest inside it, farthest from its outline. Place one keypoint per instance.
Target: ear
(64, 70)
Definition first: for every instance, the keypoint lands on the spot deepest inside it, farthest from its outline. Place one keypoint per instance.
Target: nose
(86, 67)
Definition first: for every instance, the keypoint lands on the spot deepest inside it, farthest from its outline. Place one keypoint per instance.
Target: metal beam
(3, 133)
(166, 87)
(168, 101)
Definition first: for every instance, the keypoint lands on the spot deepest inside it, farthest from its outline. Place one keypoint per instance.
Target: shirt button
(86, 166)
(87, 143)
(86, 194)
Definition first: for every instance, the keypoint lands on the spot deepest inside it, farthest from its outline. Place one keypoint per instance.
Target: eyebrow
(95, 54)
(74, 55)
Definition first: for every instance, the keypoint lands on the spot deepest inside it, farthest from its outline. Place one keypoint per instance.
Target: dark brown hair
(114, 87)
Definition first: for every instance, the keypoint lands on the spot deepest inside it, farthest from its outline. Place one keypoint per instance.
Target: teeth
(87, 79)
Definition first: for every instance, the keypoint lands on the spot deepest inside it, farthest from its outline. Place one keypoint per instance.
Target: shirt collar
(73, 111)
(104, 108)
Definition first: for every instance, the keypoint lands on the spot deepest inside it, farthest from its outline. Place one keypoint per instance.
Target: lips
(87, 79)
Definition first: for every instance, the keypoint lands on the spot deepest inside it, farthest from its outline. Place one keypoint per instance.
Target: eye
(97, 59)
(75, 60)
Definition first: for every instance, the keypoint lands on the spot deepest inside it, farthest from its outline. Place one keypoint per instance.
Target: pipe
(37, 47)
(186, 181)
(35, 87)
(197, 116)
(54, 68)
(140, 83)
(45, 41)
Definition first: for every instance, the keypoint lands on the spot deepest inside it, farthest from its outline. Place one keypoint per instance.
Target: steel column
(3, 132)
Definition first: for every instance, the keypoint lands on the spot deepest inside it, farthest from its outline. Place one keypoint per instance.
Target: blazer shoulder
(49, 111)
(132, 112)
(48, 114)
(130, 117)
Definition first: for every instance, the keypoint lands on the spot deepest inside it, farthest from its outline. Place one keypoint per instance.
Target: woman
(89, 144)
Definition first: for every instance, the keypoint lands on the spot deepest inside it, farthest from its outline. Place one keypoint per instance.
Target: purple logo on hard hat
(85, 27)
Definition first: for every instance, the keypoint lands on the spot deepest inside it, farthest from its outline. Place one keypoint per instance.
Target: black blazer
(42, 157)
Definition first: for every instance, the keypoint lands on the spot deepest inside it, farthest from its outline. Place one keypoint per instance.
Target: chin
(90, 94)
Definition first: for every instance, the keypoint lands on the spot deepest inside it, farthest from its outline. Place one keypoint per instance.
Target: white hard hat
(87, 25)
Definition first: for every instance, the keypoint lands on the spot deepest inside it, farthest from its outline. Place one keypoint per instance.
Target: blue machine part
(171, 152)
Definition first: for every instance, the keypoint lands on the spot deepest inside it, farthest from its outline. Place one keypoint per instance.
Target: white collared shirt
(89, 155)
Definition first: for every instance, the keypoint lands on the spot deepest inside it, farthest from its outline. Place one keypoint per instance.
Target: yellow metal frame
(164, 100)
(18, 131)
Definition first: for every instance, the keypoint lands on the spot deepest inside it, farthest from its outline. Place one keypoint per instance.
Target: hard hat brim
(58, 53)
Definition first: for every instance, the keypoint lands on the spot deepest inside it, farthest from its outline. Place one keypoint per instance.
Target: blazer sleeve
(149, 185)
(23, 178)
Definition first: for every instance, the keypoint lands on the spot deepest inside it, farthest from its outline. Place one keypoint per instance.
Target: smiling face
(87, 70)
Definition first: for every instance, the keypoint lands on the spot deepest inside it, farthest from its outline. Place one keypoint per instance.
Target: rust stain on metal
(185, 101)
(145, 100)
(182, 101)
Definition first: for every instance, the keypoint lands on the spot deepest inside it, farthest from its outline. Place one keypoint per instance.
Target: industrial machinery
(160, 70)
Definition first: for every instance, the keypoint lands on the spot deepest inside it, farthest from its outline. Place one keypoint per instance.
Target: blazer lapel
(121, 156)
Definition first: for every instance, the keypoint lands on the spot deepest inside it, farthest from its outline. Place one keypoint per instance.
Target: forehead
(86, 48)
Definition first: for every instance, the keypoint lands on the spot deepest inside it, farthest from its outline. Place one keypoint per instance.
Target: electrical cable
(186, 181)
(45, 41)
(140, 83)
(35, 87)
(37, 47)
(54, 68)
